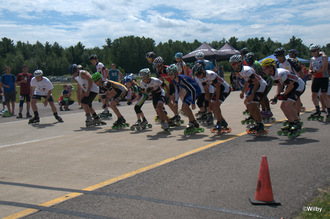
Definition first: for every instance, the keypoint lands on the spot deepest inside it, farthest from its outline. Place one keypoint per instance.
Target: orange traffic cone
(264, 192)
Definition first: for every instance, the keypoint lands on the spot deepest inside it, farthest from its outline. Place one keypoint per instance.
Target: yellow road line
(116, 179)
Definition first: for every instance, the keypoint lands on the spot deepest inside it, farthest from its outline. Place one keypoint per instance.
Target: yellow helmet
(268, 62)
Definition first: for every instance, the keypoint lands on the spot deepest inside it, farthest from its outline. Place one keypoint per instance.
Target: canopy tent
(301, 60)
(209, 53)
(227, 51)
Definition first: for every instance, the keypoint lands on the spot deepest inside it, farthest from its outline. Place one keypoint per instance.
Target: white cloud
(92, 21)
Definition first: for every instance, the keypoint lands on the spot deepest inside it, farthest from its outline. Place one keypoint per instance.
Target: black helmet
(250, 56)
(279, 51)
(93, 57)
(73, 68)
(244, 51)
(198, 69)
(293, 51)
(150, 55)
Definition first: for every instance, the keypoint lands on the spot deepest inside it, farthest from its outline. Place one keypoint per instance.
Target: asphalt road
(64, 170)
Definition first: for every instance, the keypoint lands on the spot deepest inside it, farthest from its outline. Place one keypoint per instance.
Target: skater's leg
(113, 106)
(186, 109)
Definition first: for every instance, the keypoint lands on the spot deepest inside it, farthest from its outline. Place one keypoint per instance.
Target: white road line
(27, 142)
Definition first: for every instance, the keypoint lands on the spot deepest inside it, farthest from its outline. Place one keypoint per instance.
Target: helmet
(38, 73)
(178, 55)
(172, 69)
(250, 56)
(268, 62)
(236, 58)
(314, 47)
(293, 51)
(279, 51)
(144, 73)
(96, 76)
(150, 55)
(244, 51)
(199, 55)
(128, 78)
(158, 61)
(198, 69)
(93, 57)
(73, 68)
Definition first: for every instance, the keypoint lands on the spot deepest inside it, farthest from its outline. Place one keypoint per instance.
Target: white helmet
(236, 58)
(199, 55)
(38, 73)
(314, 47)
(145, 73)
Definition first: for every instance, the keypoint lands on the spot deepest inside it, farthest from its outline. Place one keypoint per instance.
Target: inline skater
(89, 91)
(192, 92)
(291, 65)
(41, 87)
(105, 76)
(266, 112)
(162, 75)
(205, 113)
(319, 69)
(254, 95)
(294, 88)
(222, 91)
(133, 87)
(153, 86)
(116, 92)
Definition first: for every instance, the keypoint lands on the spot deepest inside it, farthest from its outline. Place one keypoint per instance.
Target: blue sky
(91, 22)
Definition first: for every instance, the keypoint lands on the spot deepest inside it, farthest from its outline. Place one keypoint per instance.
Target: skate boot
(327, 118)
(157, 119)
(58, 118)
(192, 128)
(251, 129)
(202, 117)
(267, 116)
(209, 119)
(98, 121)
(260, 130)
(105, 114)
(89, 121)
(199, 113)
(246, 112)
(315, 116)
(177, 120)
(145, 124)
(248, 120)
(19, 116)
(296, 130)
(34, 120)
(28, 115)
(136, 125)
(165, 127)
(285, 129)
(120, 123)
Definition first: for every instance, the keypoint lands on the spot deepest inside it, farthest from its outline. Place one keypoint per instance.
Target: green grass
(321, 201)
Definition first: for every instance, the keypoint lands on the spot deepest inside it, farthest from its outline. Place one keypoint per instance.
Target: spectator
(23, 80)
(9, 85)
(65, 99)
(115, 74)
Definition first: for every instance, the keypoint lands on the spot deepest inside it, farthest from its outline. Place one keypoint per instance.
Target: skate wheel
(228, 130)
(279, 132)
(303, 130)
(138, 128)
(212, 130)
(243, 122)
(201, 129)
(132, 128)
(149, 126)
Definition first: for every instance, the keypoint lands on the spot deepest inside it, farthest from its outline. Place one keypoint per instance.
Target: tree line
(128, 53)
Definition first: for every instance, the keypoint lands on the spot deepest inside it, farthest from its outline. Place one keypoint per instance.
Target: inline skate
(192, 128)
(257, 130)
(120, 123)
(34, 120)
(105, 114)
(316, 116)
(98, 121)
(221, 127)
(295, 130)
(267, 116)
(248, 120)
(177, 120)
